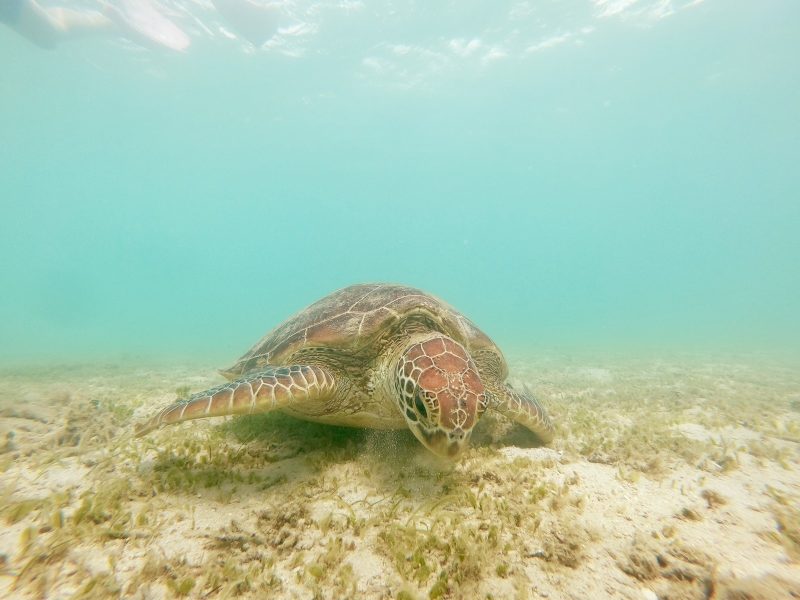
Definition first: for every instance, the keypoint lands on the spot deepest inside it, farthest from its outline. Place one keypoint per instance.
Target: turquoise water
(613, 174)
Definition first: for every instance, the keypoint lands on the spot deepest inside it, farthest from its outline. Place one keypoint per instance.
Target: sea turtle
(372, 355)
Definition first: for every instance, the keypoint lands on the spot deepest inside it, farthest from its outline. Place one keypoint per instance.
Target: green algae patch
(265, 506)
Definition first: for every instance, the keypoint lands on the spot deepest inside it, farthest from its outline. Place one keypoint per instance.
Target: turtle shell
(361, 320)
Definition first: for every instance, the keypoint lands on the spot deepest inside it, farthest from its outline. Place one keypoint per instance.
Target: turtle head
(440, 393)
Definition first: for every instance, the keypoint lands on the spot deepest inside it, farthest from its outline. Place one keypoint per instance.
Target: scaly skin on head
(438, 390)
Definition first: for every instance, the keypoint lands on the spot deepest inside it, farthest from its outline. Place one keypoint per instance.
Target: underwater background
(606, 174)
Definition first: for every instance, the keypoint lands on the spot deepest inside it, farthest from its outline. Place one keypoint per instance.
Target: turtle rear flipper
(264, 391)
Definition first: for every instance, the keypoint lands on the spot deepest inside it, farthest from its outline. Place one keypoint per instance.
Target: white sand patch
(731, 434)
(296, 514)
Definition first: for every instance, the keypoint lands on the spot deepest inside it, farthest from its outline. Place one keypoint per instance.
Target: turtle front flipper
(523, 409)
(260, 392)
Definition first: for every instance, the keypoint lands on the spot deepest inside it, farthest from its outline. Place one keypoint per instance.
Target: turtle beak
(445, 444)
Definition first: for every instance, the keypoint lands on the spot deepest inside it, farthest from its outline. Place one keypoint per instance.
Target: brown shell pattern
(352, 318)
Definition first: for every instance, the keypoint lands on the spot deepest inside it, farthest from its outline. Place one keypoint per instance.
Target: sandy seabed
(669, 478)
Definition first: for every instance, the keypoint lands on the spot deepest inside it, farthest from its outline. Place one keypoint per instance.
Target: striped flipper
(270, 389)
(524, 409)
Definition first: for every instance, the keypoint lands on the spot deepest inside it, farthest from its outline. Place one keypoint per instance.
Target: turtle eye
(483, 404)
(420, 406)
